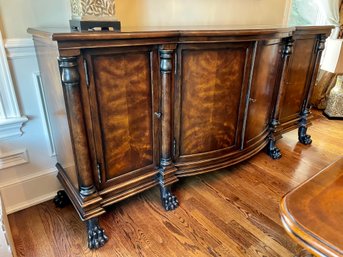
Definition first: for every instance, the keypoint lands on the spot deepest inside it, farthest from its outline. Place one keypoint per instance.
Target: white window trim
(11, 120)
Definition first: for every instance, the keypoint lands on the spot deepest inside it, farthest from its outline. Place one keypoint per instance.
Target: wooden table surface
(312, 213)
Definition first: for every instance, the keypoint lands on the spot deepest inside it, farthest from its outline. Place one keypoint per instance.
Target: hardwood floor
(232, 212)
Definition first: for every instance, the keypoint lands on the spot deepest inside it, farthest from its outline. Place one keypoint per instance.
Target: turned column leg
(272, 150)
(72, 94)
(167, 170)
(303, 123)
(77, 126)
(96, 235)
(302, 136)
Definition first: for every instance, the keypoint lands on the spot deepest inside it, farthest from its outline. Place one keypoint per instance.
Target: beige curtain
(340, 34)
(333, 11)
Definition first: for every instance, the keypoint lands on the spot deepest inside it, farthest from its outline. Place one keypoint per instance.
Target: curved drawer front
(298, 78)
(263, 91)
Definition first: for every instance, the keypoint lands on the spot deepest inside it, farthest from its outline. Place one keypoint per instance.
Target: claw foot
(96, 235)
(305, 139)
(275, 153)
(302, 136)
(170, 202)
(61, 199)
(96, 238)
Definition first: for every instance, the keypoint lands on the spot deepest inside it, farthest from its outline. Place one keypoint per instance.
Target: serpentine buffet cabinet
(135, 109)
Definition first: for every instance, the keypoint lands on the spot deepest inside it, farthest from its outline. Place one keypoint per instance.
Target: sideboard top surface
(64, 34)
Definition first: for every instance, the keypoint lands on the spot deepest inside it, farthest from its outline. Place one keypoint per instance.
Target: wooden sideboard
(140, 108)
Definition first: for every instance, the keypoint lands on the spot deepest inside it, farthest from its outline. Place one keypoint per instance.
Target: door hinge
(174, 147)
(85, 66)
(98, 168)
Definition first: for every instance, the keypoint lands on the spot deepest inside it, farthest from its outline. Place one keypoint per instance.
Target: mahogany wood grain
(124, 100)
(208, 76)
(124, 95)
(312, 213)
(299, 75)
(263, 89)
(233, 212)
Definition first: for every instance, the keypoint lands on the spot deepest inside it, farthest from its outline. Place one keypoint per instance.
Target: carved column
(167, 170)
(72, 94)
(302, 136)
(90, 208)
(166, 82)
(272, 150)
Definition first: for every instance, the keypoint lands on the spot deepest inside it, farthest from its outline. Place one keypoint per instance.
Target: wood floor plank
(233, 212)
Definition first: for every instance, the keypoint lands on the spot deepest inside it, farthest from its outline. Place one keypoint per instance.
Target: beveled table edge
(299, 233)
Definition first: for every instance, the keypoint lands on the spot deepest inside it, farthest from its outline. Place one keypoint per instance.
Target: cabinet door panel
(297, 78)
(262, 90)
(212, 84)
(125, 91)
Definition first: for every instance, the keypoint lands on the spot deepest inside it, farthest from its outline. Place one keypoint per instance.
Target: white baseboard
(31, 190)
(30, 202)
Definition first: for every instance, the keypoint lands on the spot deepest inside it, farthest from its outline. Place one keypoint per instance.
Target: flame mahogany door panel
(263, 90)
(298, 78)
(210, 99)
(124, 96)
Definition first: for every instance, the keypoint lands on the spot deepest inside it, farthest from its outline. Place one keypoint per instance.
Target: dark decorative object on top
(145, 108)
(80, 25)
(91, 15)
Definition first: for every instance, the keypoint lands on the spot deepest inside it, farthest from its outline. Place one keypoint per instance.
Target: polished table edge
(307, 239)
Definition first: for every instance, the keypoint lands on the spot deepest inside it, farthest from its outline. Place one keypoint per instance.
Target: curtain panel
(333, 13)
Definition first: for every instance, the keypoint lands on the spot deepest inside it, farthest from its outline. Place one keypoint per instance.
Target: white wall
(27, 172)
(202, 12)
(30, 176)
(17, 15)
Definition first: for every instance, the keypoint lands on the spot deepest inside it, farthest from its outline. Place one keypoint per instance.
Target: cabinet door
(124, 96)
(263, 91)
(210, 99)
(298, 77)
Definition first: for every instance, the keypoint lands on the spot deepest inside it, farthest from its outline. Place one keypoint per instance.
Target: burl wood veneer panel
(211, 89)
(297, 78)
(262, 90)
(124, 94)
